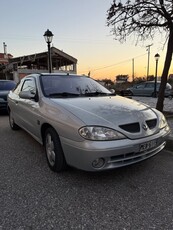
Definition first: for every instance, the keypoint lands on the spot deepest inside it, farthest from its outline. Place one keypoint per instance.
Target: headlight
(163, 122)
(96, 133)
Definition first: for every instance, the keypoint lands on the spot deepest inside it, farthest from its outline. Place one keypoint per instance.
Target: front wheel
(130, 93)
(54, 153)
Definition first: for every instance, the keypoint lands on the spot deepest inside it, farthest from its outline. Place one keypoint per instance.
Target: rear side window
(140, 86)
(150, 85)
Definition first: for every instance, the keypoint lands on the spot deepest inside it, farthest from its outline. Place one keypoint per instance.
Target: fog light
(98, 163)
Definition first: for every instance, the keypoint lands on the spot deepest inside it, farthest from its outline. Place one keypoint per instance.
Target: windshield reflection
(71, 85)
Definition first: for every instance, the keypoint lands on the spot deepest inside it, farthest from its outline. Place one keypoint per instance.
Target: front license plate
(147, 145)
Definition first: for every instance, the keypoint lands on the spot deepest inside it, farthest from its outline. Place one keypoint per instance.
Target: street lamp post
(48, 38)
(157, 56)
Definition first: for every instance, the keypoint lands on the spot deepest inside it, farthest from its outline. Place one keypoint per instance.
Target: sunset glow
(80, 30)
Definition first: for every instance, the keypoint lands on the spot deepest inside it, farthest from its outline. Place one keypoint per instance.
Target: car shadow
(107, 175)
(3, 113)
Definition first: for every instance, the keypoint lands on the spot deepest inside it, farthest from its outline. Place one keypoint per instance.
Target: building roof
(2, 55)
(59, 58)
(4, 58)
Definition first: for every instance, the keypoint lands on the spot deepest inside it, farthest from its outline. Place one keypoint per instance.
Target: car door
(149, 89)
(138, 90)
(13, 101)
(29, 109)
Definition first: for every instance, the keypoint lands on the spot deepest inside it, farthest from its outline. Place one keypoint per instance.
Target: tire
(153, 94)
(130, 93)
(12, 123)
(54, 153)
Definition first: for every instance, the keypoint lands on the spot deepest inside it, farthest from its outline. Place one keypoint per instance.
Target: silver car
(82, 124)
(148, 89)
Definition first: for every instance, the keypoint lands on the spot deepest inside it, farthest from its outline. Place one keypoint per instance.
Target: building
(38, 63)
(121, 78)
(4, 61)
(4, 58)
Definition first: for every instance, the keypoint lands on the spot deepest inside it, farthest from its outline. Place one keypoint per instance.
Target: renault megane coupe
(82, 124)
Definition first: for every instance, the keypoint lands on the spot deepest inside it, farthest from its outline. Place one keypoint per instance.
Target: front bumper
(115, 154)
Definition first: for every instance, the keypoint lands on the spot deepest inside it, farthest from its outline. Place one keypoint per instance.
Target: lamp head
(157, 56)
(48, 35)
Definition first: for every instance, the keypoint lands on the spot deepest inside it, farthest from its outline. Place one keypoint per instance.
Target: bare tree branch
(144, 18)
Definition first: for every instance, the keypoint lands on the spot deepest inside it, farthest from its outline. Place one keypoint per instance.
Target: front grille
(135, 127)
(129, 157)
(131, 128)
(151, 123)
(132, 157)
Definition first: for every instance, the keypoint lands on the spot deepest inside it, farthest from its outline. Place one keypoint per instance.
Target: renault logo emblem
(144, 126)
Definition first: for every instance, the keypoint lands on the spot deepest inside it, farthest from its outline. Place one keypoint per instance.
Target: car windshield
(71, 86)
(7, 85)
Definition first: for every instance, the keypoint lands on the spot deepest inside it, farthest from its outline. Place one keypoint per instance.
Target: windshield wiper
(87, 94)
(63, 94)
(97, 93)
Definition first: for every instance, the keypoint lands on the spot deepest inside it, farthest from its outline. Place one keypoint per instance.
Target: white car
(82, 124)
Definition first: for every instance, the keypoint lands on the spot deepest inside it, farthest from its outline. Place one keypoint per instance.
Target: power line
(128, 60)
(58, 39)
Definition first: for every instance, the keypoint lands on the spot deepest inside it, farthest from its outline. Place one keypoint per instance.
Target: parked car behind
(82, 124)
(147, 89)
(5, 87)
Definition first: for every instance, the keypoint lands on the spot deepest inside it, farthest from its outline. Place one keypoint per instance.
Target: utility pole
(148, 65)
(133, 70)
(6, 59)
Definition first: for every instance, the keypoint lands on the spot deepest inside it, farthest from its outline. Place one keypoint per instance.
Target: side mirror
(27, 95)
(112, 90)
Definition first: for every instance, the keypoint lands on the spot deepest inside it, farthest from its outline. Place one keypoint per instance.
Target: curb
(168, 114)
(169, 143)
(169, 140)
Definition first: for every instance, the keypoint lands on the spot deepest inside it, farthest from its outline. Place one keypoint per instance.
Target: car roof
(147, 82)
(37, 75)
(62, 74)
(4, 80)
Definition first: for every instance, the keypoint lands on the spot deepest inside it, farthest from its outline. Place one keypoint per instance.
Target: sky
(80, 30)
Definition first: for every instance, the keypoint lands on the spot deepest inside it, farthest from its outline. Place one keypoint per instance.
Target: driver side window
(140, 86)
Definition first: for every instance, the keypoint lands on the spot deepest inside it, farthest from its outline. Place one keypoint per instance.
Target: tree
(108, 82)
(144, 18)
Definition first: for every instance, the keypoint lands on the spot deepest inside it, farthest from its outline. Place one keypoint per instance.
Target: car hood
(114, 112)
